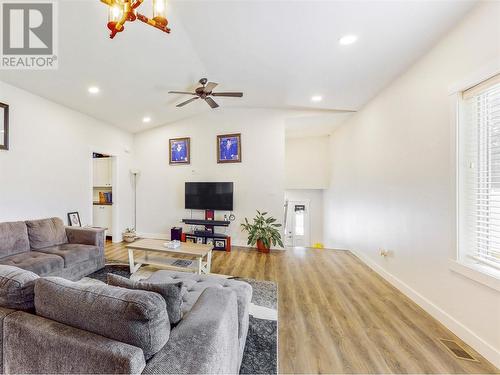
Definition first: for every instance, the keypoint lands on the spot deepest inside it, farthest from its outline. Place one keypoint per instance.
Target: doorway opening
(297, 223)
(104, 197)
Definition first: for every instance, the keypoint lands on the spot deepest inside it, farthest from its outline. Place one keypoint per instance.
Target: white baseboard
(482, 347)
(158, 236)
(117, 239)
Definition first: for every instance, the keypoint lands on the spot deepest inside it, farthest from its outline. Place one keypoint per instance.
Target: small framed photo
(74, 219)
(4, 126)
(199, 240)
(229, 148)
(180, 151)
(190, 239)
(220, 244)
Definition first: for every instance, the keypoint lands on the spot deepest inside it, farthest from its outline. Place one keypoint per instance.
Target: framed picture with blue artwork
(229, 148)
(4, 126)
(180, 151)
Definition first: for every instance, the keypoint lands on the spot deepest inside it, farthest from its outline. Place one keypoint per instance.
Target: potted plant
(129, 235)
(263, 232)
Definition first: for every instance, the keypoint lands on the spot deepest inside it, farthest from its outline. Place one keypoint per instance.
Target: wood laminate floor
(336, 315)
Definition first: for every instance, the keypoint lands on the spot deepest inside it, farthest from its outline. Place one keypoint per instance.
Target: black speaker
(175, 234)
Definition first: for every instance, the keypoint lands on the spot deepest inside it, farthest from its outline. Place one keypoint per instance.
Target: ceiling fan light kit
(122, 11)
(205, 92)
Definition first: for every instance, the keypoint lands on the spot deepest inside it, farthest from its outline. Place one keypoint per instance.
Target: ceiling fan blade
(181, 92)
(231, 94)
(187, 102)
(211, 102)
(209, 87)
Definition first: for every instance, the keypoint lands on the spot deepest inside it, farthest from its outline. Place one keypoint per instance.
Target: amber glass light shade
(160, 10)
(115, 13)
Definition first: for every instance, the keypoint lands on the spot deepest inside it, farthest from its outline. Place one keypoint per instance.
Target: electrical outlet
(384, 253)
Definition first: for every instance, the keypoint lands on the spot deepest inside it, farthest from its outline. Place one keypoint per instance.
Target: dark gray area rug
(102, 274)
(261, 348)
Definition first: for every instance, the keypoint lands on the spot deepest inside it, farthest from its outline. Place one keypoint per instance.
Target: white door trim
(116, 235)
(307, 224)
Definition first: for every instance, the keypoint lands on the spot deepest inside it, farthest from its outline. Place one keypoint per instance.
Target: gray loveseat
(91, 327)
(48, 248)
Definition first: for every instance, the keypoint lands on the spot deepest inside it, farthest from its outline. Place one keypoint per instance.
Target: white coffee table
(155, 253)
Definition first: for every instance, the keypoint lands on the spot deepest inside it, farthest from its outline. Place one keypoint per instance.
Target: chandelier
(121, 11)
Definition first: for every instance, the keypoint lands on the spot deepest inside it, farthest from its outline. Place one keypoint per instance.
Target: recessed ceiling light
(348, 39)
(146, 119)
(93, 90)
(316, 98)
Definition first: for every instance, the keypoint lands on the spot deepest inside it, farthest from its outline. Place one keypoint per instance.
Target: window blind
(482, 172)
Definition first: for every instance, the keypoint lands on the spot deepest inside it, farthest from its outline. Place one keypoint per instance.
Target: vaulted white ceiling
(279, 53)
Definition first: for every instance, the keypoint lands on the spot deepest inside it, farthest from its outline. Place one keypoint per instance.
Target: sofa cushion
(46, 232)
(39, 263)
(13, 238)
(135, 317)
(17, 288)
(36, 345)
(172, 293)
(72, 253)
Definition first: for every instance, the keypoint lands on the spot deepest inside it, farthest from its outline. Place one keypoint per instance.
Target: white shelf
(168, 263)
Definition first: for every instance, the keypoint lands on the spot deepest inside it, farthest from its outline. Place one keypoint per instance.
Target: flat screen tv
(209, 196)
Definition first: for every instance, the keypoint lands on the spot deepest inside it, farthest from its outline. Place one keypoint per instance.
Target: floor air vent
(457, 350)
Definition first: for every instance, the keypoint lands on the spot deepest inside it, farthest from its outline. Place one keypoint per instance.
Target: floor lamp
(135, 172)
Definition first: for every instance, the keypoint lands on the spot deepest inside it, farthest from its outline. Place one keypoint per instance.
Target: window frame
(462, 263)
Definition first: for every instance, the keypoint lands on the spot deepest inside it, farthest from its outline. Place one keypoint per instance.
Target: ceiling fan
(205, 92)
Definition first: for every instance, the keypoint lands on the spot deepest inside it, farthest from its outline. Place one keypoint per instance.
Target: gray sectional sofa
(196, 284)
(48, 248)
(51, 325)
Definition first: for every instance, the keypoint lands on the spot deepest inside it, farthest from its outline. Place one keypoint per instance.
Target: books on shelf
(105, 197)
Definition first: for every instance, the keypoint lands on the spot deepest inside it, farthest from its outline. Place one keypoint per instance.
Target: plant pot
(261, 247)
(129, 237)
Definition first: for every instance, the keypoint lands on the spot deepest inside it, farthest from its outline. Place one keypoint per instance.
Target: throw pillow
(17, 288)
(171, 292)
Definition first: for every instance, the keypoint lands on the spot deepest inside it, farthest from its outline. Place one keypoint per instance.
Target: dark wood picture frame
(171, 142)
(70, 222)
(219, 140)
(4, 126)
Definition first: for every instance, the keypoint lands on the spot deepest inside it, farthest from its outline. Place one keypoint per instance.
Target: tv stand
(207, 223)
(208, 236)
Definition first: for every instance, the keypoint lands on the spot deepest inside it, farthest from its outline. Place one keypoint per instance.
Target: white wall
(307, 165)
(393, 183)
(258, 180)
(46, 172)
(315, 198)
(307, 172)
